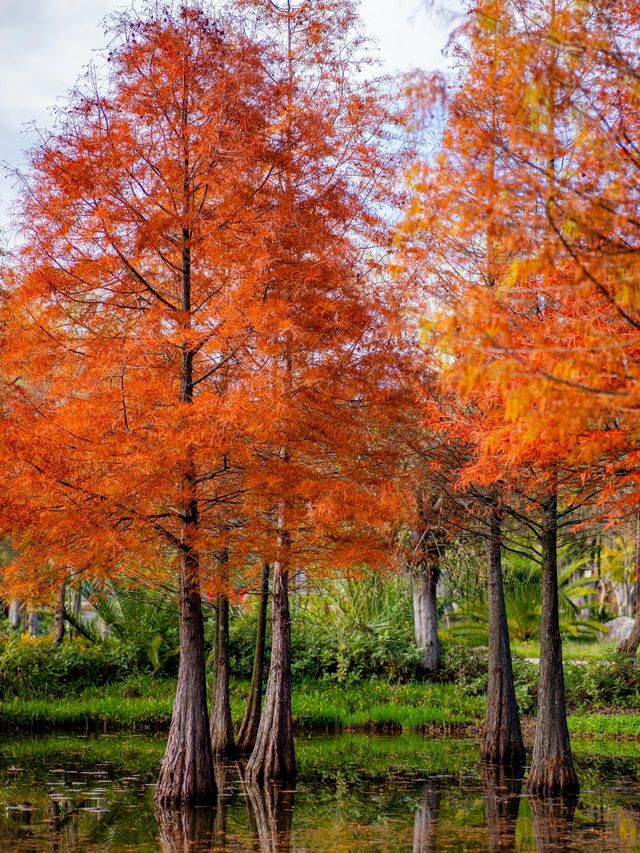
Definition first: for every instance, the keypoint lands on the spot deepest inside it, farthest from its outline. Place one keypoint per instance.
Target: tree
(123, 319)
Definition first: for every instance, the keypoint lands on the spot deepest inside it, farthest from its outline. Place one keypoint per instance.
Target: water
(354, 793)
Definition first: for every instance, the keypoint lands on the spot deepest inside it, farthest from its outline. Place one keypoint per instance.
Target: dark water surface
(354, 793)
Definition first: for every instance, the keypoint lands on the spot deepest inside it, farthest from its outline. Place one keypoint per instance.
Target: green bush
(603, 683)
(38, 667)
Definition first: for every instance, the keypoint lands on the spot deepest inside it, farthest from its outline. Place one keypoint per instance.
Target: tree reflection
(270, 815)
(185, 830)
(552, 822)
(425, 825)
(502, 793)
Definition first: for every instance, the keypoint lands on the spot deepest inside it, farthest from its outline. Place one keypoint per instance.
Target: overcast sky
(44, 45)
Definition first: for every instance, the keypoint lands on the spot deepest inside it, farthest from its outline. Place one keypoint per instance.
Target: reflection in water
(354, 793)
(425, 823)
(270, 815)
(182, 829)
(502, 793)
(553, 822)
(204, 829)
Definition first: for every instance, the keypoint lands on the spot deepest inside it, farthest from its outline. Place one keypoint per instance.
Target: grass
(144, 705)
(571, 649)
(316, 707)
(605, 725)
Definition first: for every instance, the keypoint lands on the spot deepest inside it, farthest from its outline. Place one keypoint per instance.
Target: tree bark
(502, 736)
(221, 725)
(424, 578)
(186, 773)
(502, 792)
(58, 630)
(273, 756)
(251, 720)
(552, 772)
(629, 647)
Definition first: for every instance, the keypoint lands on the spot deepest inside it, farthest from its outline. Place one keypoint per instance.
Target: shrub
(38, 667)
(603, 683)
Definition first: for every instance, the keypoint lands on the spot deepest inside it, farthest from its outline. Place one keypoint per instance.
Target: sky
(44, 45)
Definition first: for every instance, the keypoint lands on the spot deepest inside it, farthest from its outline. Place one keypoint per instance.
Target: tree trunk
(425, 822)
(16, 613)
(251, 720)
(186, 772)
(502, 736)
(425, 617)
(273, 756)
(222, 742)
(629, 647)
(58, 629)
(502, 792)
(552, 772)
(34, 622)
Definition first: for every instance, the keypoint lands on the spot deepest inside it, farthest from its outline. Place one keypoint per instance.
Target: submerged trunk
(629, 647)
(58, 629)
(222, 742)
(424, 578)
(273, 756)
(251, 720)
(502, 736)
(502, 792)
(552, 772)
(186, 772)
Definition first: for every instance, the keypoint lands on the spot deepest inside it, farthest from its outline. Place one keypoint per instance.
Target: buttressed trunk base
(273, 756)
(222, 742)
(186, 773)
(552, 772)
(502, 736)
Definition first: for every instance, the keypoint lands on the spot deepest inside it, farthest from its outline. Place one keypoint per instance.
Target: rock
(618, 629)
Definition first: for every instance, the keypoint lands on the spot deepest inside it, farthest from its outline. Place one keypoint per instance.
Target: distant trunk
(186, 772)
(425, 822)
(552, 772)
(629, 647)
(273, 756)
(222, 742)
(251, 720)
(502, 793)
(502, 737)
(34, 622)
(424, 578)
(58, 629)
(16, 614)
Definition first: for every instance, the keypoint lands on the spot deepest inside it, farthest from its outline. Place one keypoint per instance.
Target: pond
(354, 793)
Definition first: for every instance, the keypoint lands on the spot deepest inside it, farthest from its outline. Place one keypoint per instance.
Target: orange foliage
(199, 331)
